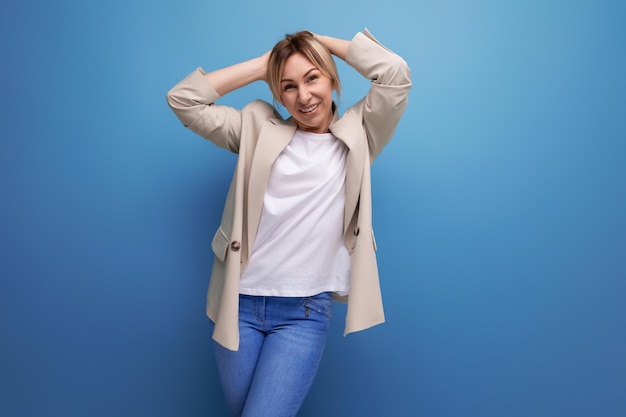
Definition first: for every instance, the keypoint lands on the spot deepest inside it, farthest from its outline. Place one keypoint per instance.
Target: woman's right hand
(227, 79)
(264, 60)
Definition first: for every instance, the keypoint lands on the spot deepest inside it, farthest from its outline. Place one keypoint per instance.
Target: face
(307, 94)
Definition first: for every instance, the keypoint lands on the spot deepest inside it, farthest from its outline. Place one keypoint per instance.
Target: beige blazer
(258, 134)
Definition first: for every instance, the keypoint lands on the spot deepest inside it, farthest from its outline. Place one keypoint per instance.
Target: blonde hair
(307, 44)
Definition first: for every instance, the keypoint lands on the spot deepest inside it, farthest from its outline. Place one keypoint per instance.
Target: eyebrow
(305, 74)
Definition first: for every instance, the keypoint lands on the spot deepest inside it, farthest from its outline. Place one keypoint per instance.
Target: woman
(296, 230)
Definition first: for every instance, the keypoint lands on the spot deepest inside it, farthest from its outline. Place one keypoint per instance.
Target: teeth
(309, 109)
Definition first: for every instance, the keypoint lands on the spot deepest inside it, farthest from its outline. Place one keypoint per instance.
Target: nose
(304, 95)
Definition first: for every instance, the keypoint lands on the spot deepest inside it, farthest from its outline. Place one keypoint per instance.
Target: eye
(288, 87)
(313, 78)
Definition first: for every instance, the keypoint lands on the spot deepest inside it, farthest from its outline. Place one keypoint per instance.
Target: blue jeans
(281, 344)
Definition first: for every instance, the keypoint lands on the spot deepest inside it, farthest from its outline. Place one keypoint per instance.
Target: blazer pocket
(353, 242)
(219, 244)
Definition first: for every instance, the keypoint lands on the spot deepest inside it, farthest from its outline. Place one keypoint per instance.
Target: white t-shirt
(299, 249)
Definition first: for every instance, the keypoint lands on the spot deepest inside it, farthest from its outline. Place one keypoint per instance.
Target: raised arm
(390, 78)
(336, 46)
(193, 100)
(227, 79)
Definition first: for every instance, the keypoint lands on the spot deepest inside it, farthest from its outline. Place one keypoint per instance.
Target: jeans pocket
(320, 303)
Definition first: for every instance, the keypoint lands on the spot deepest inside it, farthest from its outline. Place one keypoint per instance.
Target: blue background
(499, 208)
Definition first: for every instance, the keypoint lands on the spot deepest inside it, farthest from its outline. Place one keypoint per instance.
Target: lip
(313, 108)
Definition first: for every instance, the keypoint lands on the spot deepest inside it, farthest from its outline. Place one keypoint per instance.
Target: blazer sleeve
(387, 98)
(193, 102)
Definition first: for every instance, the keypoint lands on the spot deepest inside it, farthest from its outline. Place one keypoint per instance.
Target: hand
(263, 63)
(337, 47)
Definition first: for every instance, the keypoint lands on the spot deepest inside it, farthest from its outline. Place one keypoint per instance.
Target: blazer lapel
(274, 137)
(344, 130)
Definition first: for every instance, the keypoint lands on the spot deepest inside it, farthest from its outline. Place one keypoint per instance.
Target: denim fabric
(281, 344)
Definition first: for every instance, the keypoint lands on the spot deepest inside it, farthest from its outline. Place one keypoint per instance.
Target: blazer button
(356, 231)
(235, 246)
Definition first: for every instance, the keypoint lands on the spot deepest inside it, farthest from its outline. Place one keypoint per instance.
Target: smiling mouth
(310, 109)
